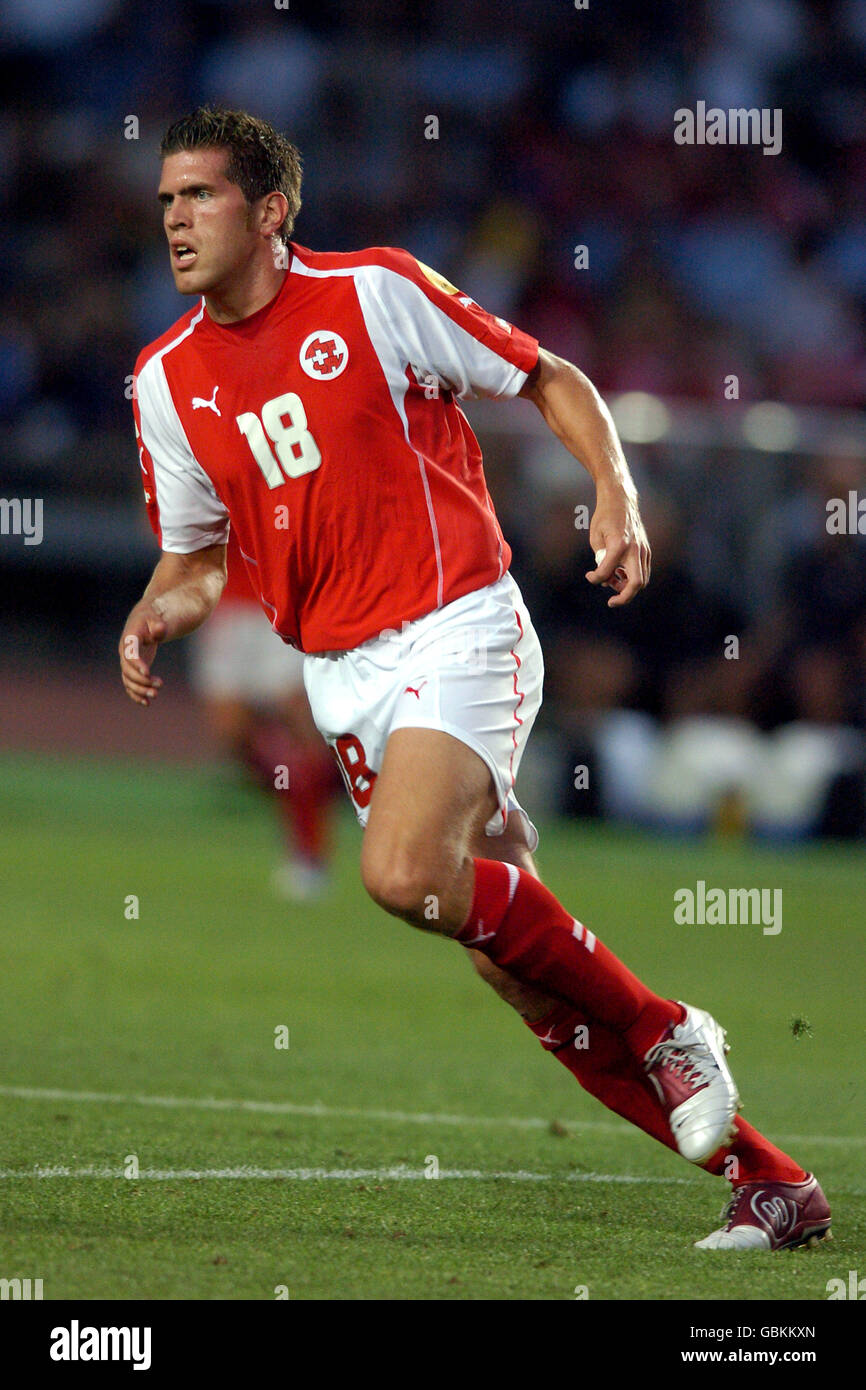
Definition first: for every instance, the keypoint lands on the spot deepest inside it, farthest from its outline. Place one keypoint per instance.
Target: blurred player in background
(252, 689)
(308, 401)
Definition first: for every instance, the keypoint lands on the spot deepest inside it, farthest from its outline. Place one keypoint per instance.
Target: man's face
(207, 221)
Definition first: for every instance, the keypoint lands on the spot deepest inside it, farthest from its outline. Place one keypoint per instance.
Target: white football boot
(689, 1072)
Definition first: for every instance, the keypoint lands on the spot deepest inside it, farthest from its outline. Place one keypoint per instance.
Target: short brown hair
(261, 161)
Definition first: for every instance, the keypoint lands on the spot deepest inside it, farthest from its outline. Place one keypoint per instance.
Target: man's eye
(201, 193)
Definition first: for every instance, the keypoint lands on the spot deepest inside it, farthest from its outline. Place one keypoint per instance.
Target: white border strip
(400, 1173)
(326, 1112)
(285, 1107)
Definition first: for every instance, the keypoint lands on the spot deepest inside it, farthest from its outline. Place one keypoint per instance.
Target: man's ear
(275, 210)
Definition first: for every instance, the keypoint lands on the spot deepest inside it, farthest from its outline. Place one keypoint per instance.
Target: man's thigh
(429, 811)
(430, 679)
(431, 800)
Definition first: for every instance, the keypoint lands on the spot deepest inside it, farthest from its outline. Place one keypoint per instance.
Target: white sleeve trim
(191, 515)
(429, 338)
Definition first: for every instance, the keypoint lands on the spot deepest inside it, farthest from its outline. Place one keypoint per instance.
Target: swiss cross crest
(324, 355)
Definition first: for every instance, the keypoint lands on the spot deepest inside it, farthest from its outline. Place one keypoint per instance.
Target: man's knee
(409, 885)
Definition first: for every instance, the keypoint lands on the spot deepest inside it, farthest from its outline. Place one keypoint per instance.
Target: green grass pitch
(120, 1037)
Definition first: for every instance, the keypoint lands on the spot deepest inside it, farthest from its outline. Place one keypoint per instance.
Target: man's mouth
(182, 254)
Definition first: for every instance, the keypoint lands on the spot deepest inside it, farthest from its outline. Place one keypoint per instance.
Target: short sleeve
(182, 503)
(438, 330)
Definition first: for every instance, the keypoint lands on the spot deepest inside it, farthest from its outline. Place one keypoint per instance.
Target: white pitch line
(319, 1111)
(314, 1111)
(399, 1173)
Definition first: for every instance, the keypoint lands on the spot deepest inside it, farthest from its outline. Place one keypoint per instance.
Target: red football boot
(772, 1216)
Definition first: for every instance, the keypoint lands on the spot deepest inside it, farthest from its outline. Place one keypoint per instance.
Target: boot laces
(727, 1213)
(693, 1069)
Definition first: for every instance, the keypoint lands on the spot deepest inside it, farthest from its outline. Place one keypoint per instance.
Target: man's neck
(239, 301)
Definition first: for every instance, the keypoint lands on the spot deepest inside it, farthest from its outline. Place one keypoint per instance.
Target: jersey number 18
(284, 424)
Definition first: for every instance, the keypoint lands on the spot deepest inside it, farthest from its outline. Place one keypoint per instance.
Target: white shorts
(473, 669)
(236, 655)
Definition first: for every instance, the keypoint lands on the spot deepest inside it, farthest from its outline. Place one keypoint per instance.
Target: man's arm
(578, 416)
(183, 591)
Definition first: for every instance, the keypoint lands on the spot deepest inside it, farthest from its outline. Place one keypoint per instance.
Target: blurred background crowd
(553, 130)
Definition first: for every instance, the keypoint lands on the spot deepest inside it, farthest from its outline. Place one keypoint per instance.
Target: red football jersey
(325, 428)
(238, 588)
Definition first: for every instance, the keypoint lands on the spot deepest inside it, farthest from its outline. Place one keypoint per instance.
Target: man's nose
(177, 216)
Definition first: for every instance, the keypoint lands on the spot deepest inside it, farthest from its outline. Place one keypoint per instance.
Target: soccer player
(309, 400)
(252, 689)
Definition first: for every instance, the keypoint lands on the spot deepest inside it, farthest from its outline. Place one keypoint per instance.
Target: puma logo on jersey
(199, 404)
(411, 689)
(480, 936)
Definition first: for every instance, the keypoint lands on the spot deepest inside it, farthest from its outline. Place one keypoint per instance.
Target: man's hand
(182, 593)
(621, 548)
(579, 417)
(145, 629)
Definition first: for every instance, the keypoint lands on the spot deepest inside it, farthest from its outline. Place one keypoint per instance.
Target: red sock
(607, 1069)
(263, 752)
(303, 804)
(522, 928)
(752, 1158)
